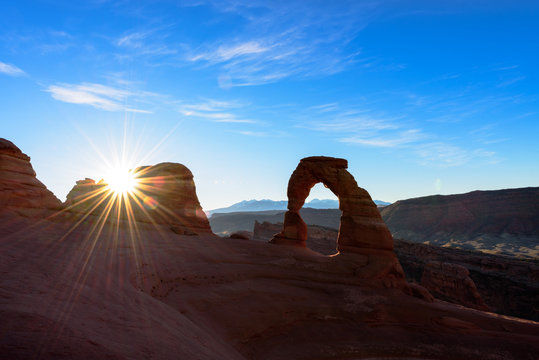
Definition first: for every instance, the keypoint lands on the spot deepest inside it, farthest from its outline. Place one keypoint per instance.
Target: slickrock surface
(166, 195)
(500, 221)
(20, 190)
(151, 293)
(505, 285)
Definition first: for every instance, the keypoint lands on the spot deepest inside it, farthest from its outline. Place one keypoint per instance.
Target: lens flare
(150, 203)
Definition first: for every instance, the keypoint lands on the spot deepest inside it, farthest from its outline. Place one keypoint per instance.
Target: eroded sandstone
(362, 230)
(452, 282)
(20, 190)
(361, 225)
(165, 194)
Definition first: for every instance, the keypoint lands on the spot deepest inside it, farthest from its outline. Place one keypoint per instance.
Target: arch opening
(322, 215)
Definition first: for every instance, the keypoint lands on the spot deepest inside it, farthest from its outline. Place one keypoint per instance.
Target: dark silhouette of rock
(500, 221)
(452, 282)
(507, 285)
(241, 235)
(319, 238)
(20, 190)
(224, 224)
(165, 194)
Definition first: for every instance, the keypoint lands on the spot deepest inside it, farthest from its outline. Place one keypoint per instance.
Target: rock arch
(361, 228)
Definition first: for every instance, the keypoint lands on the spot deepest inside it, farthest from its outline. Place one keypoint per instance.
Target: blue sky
(421, 97)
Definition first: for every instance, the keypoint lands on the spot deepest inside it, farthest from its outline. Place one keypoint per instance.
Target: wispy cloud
(149, 42)
(97, 95)
(10, 70)
(224, 53)
(398, 139)
(351, 124)
(214, 110)
(441, 154)
(253, 133)
(284, 39)
(511, 81)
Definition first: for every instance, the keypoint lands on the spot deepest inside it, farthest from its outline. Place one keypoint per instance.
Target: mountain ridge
(268, 204)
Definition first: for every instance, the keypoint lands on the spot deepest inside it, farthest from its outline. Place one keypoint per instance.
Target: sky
(421, 97)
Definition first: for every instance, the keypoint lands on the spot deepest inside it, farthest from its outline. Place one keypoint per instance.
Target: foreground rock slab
(151, 293)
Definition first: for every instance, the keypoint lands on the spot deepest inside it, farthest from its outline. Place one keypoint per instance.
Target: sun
(121, 181)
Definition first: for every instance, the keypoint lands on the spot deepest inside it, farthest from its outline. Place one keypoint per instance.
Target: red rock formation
(165, 194)
(361, 230)
(361, 225)
(452, 282)
(20, 190)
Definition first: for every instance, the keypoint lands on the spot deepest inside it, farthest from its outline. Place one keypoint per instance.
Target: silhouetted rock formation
(507, 285)
(227, 223)
(319, 239)
(500, 221)
(452, 282)
(165, 194)
(20, 190)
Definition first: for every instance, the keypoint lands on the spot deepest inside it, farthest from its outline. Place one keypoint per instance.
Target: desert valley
(142, 276)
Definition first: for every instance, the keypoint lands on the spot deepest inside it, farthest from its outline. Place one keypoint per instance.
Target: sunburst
(121, 181)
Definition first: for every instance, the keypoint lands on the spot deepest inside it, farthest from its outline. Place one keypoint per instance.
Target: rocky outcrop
(165, 194)
(20, 190)
(501, 221)
(362, 230)
(361, 225)
(507, 285)
(224, 224)
(452, 282)
(504, 285)
(320, 239)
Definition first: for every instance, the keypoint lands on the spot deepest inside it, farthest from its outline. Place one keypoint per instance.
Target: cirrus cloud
(10, 70)
(96, 95)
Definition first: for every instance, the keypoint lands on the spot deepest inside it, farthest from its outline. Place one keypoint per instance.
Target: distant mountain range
(267, 204)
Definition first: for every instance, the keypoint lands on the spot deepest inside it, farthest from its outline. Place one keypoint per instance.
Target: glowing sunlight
(121, 181)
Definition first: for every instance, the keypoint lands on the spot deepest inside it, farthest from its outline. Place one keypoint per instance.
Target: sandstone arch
(361, 228)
